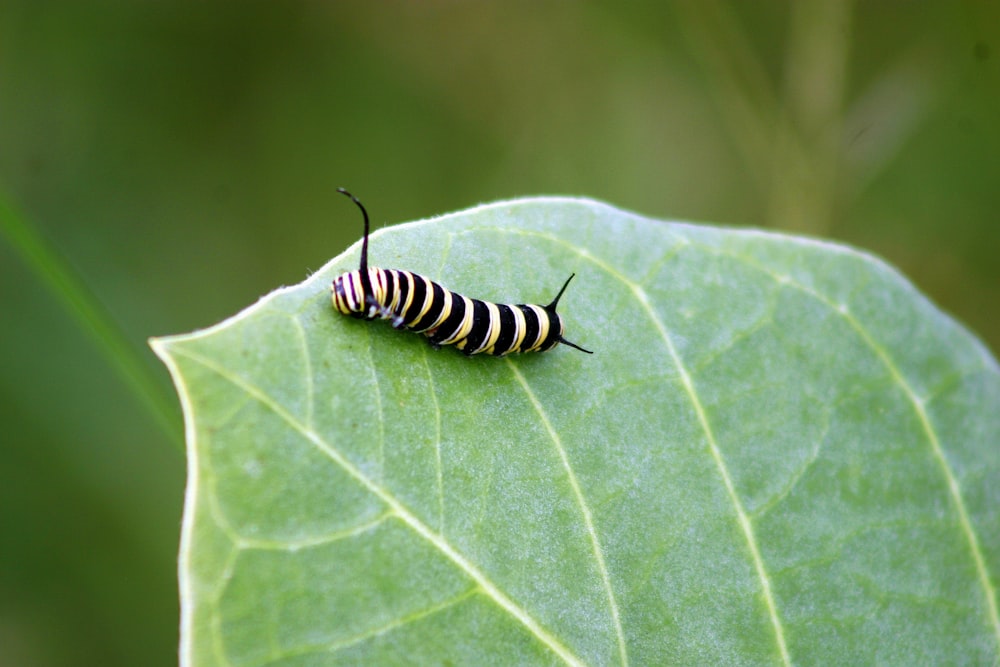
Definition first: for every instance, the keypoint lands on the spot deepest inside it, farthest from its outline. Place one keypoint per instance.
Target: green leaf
(779, 453)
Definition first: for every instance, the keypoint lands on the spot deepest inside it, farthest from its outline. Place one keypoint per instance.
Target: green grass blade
(85, 309)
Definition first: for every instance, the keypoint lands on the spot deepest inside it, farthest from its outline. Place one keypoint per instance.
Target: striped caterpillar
(413, 302)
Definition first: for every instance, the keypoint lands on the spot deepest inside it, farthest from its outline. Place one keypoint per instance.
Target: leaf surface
(779, 453)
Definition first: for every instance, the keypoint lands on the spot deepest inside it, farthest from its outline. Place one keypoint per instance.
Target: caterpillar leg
(375, 309)
(431, 339)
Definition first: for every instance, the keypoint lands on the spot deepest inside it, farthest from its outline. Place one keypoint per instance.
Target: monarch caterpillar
(445, 317)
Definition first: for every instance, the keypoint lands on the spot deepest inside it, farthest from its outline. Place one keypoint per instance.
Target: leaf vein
(720, 463)
(587, 516)
(954, 489)
(258, 544)
(307, 362)
(742, 517)
(390, 626)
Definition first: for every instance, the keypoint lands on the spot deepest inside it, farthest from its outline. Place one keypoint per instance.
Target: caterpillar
(414, 302)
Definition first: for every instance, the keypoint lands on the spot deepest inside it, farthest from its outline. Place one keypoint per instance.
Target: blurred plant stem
(790, 140)
(808, 142)
(86, 310)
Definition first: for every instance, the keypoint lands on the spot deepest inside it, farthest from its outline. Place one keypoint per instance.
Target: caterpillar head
(358, 293)
(348, 297)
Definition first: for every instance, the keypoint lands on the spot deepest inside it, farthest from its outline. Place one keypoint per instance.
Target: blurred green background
(179, 160)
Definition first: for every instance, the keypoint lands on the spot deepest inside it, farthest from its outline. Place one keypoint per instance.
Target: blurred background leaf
(181, 159)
